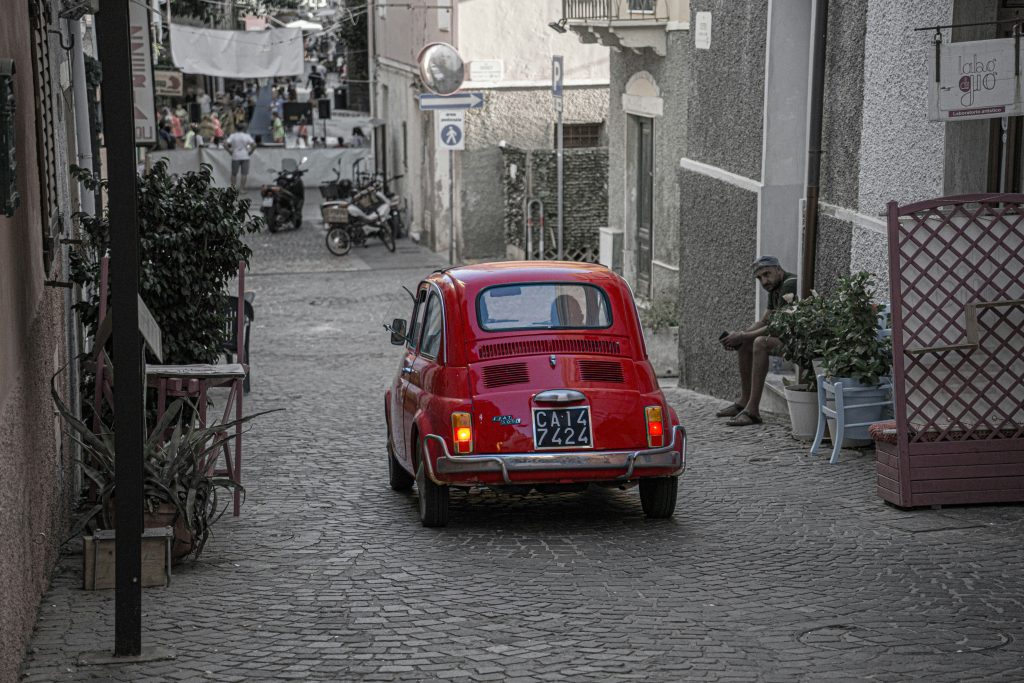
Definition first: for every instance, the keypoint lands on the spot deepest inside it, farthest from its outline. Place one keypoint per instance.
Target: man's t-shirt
(787, 286)
(238, 143)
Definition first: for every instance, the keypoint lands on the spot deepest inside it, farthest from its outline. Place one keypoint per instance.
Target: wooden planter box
(99, 552)
(953, 473)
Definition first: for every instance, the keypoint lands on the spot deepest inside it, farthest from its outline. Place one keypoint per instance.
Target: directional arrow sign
(462, 100)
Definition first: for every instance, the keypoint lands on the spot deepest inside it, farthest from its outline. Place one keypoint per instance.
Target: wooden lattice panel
(957, 278)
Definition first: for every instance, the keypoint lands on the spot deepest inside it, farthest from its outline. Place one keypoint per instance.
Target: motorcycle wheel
(297, 221)
(270, 216)
(338, 242)
(387, 236)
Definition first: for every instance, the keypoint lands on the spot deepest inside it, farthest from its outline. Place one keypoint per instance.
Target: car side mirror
(398, 329)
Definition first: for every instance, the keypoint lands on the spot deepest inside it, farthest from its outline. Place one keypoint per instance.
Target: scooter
(283, 199)
(368, 214)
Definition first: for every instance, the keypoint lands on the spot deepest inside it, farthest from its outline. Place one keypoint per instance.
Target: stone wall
(523, 118)
(585, 197)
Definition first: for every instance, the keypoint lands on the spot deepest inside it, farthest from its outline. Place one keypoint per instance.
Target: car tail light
(655, 426)
(462, 432)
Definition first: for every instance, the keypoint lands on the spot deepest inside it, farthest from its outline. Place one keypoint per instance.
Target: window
(433, 325)
(545, 306)
(416, 322)
(45, 130)
(580, 135)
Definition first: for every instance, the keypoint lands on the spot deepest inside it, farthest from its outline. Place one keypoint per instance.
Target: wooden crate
(99, 552)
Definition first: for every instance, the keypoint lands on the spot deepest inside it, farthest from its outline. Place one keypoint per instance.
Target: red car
(528, 375)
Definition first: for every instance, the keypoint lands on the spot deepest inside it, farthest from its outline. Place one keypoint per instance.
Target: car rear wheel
(398, 478)
(433, 499)
(658, 496)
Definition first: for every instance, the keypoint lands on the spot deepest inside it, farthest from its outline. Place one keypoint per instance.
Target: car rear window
(546, 305)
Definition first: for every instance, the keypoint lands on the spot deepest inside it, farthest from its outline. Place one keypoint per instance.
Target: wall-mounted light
(559, 26)
(9, 199)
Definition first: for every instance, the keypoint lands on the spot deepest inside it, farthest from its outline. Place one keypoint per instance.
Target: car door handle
(407, 370)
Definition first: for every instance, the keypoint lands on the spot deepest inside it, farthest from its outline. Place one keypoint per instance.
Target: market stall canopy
(237, 54)
(304, 25)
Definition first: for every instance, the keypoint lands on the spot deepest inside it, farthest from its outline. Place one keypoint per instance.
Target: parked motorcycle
(283, 199)
(351, 222)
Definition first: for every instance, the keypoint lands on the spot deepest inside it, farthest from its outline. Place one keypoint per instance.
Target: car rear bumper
(515, 468)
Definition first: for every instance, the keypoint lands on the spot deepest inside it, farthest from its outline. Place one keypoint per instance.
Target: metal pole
(451, 207)
(560, 206)
(129, 425)
(82, 128)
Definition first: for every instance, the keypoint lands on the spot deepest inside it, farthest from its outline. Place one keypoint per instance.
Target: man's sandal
(744, 419)
(732, 411)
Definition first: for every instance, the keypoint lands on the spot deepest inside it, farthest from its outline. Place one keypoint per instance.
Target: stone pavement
(776, 567)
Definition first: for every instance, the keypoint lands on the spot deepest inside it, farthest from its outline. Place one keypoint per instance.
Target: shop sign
(977, 80)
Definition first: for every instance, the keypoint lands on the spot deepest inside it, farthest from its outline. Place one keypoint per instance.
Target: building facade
(507, 48)
(647, 132)
(36, 333)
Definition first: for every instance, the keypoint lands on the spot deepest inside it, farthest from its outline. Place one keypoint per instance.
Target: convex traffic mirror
(441, 68)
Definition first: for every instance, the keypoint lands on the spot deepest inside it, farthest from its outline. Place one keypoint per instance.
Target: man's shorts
(239, 164)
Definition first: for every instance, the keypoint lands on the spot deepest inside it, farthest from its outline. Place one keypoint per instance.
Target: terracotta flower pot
(167, 515)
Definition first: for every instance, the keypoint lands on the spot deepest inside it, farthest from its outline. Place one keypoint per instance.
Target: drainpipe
(810, 236)
(83, 131)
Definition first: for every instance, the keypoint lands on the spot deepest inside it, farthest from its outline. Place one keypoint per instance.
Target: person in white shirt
(241, 145)
(204, 103)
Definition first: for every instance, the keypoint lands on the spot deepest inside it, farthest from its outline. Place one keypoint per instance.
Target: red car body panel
(608, 366)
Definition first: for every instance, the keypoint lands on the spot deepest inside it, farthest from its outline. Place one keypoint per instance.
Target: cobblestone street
(776, 566)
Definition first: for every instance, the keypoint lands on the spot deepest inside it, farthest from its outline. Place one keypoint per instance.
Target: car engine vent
(503, 375)
(528, 346)
(601, 371)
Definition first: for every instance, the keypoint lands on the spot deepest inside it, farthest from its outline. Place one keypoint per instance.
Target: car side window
(416, 321)
(433, 325)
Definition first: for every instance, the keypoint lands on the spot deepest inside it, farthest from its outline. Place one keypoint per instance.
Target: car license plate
(562, 427)
(268, 201)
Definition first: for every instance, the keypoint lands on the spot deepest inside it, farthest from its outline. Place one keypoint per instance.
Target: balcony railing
(615, 10)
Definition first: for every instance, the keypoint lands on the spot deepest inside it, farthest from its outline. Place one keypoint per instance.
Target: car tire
(338, 240)
(433, 499)
(658, 496)
(398, 478)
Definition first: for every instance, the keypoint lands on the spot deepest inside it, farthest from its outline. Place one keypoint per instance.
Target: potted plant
(801, 326)
(855, 354)
(660, 320)
(179, 486)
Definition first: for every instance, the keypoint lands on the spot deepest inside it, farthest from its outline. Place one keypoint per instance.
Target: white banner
(142, 75)
(977, 80)
(237, 54)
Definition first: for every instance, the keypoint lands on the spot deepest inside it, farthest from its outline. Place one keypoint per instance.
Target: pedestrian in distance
(192, 139)
(357, 139)
(207, 131)
(753, 346)
(241, 146)
(276, 128)
(165, 139)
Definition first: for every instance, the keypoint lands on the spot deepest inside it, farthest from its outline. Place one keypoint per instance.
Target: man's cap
(765, 262)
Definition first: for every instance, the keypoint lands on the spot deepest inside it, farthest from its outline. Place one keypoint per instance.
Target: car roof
(503, 272)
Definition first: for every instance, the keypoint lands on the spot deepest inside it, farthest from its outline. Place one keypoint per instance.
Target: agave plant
(177, 469)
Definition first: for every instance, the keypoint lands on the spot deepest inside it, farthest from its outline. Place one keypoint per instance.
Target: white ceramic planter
(803, 413)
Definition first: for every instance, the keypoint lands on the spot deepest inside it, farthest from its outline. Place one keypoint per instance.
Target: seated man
(566, 311)
(753, 345)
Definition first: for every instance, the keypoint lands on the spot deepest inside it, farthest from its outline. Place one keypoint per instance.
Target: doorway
(643, 156)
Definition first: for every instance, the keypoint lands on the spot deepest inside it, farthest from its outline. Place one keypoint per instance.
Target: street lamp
(558, 26)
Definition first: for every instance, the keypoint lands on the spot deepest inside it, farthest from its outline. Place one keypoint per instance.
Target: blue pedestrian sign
(450, 129)
(462, 100)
